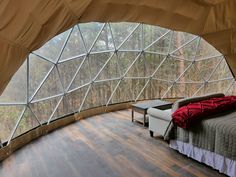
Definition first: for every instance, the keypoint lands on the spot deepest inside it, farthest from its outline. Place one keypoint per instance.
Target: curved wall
(99, 64)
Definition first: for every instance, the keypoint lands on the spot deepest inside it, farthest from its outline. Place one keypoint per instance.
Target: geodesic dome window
(98, 64)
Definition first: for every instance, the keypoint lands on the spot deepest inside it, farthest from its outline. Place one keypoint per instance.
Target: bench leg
(151, 133)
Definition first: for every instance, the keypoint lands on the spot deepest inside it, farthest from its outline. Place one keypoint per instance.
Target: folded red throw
(192, 113)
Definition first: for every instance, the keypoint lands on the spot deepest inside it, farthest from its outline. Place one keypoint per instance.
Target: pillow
(192, 113)
(185, 101)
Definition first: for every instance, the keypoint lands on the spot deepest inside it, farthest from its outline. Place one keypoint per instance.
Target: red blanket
(192, 113)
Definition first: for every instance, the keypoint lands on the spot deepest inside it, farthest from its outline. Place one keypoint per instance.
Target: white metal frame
(117, 49)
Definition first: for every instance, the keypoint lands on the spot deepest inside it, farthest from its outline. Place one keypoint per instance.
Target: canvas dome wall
(98, 64)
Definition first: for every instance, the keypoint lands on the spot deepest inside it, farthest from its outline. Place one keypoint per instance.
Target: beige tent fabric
(25, 25)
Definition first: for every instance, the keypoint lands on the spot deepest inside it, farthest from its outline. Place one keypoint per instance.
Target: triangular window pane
(63, 109)
(74, 46)
(137, 86)
(187, 52)
(232, 89)
(152, 33)
(68, 69)
(111, 70)
(124, 92)
(91, 100)
(79, 94)
(154, 90)
(38, 69)
(192, 74)
(44, 109)
(16, 90)
(9, 116)
(99, 94)
(179, 39)
(89, 32)
(134, 42)
(28, 122)
(171, 69)
(182, 90)
(161, 45)
(84, 75)
(145, 65)
(51, 50)
(121, 31)
(125, 60)
(51, 87)
(206, 67)
(222, 71)
(215, 87)
(104, 41)
(97, 62)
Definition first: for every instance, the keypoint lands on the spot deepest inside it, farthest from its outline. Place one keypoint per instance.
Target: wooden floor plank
(107, 145)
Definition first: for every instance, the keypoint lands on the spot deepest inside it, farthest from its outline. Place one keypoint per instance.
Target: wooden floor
(108, 145)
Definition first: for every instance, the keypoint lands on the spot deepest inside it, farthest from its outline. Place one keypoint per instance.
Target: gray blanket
(216, 134)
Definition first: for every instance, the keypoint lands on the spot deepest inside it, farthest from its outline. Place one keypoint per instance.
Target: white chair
(158, 120)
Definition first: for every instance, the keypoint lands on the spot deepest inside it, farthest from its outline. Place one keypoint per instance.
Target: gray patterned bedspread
(216, 134)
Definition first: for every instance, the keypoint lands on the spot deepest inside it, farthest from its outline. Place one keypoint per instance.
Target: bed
(212, 141)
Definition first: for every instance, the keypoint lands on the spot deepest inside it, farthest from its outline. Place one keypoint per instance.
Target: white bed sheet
(216, 161)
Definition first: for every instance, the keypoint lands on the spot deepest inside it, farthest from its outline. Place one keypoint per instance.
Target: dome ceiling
(26, 25)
